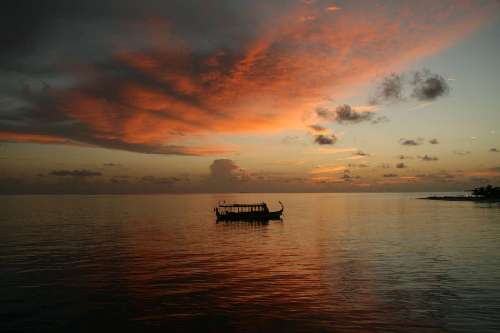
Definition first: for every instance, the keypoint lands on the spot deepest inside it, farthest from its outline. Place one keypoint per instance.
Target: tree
(486, 192)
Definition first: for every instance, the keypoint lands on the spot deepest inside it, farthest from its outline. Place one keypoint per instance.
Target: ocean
(334, 263)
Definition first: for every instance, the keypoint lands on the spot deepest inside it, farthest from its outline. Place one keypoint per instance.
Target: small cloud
(390, 175)
(461, 152)
(223, 168)
(434, 141)
(345, 114)
(347, 177)
(350, 158)
(328, 169)
(332, 8)
(385, 166)
(428, 86)
(361, 153)
(317, 128)
(404, 157)
(75, 173)
(160, 180)
(389, 90)
(428, 158)
(323, 139)
(358, 165)
(333, 150)
(425, 86)
(111, 164)
(494, 150)
(410, 142)
(401, 165)
(380, 119)
(121, 179)
(421, 105)
(307, 18)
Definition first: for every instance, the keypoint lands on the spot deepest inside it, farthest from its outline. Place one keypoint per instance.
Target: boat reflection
(248, 222)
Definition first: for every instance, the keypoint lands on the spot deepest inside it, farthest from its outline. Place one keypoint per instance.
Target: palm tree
(486, 192)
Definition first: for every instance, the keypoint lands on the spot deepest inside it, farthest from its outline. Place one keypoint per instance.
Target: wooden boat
(246, 212)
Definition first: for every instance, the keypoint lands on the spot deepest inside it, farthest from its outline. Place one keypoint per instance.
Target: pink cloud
(168, 92)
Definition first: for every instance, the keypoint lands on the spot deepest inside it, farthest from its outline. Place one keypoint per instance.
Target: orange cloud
(328, 169)
(145, 99)
(17, 137)
(332, 8)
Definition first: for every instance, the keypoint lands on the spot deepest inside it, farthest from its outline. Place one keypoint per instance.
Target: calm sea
(335, 263)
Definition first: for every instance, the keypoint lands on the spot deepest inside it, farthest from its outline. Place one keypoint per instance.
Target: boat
(247, 212)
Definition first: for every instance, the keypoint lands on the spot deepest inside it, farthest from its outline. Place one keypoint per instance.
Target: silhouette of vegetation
(479, 194)
(486, 192)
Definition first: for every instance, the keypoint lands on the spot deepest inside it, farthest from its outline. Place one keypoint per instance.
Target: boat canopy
(244, 205)
(240, 208)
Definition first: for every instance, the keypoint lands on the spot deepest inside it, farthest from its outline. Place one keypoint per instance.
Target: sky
(249, 96)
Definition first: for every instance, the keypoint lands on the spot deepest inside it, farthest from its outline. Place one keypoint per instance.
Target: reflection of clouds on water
(343, 262)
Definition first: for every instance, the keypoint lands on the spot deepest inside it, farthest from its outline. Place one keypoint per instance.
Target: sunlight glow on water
(337, 262)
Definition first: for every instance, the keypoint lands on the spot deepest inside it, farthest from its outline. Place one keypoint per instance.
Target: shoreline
(463, 198)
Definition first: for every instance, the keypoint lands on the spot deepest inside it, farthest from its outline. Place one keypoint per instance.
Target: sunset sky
(287, 95)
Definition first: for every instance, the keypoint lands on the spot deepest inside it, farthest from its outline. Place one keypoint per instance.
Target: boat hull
(250, 216)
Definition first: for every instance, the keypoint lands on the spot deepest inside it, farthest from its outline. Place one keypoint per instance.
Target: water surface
(336, 263)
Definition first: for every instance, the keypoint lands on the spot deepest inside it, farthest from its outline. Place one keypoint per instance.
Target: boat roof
(262, 204)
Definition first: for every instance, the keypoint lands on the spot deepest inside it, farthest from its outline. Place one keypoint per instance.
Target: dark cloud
(317, 128)
(424, 86)
(360, 153)
(120, 179)
(404, 157)
(73, 72)
(434, 141)
(111, 164)
(401, 165)
(428, 158)
(494, 150)
(346, 114)
(441, 176)
(76, 173)
(323, 139)
(26, 22)
(348, 177)
(160, 180)
(225, 175)
(139, 75)
(389, 90)
(223, 169)
(428, 86)
(410, 142)
(390, 175)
